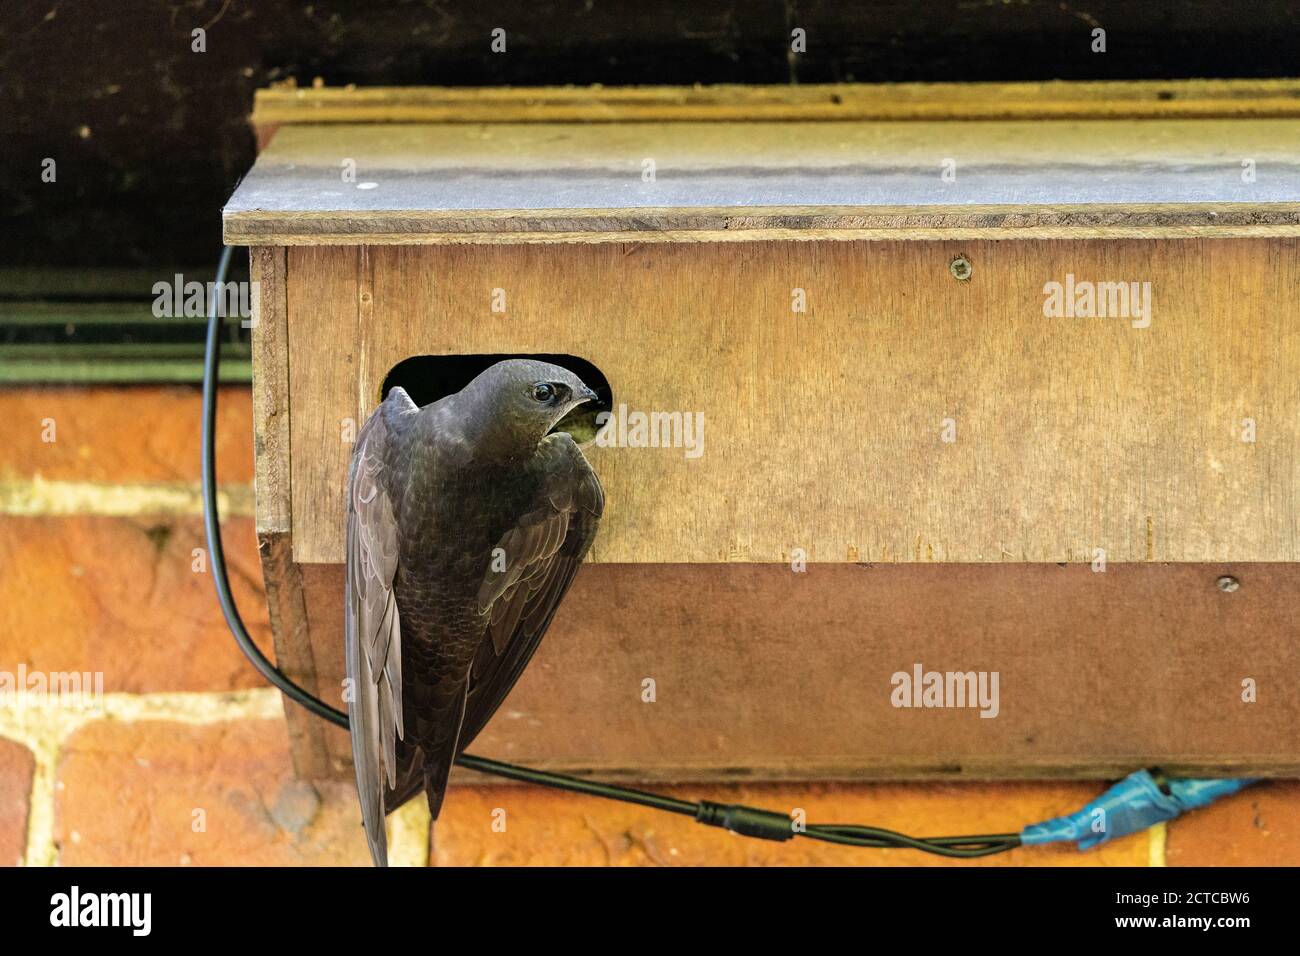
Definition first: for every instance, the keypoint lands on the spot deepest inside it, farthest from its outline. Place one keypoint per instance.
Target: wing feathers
(372, 628)
(517, 600)
(542, 556)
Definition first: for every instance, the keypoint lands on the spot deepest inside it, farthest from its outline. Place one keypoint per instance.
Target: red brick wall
(187, 760)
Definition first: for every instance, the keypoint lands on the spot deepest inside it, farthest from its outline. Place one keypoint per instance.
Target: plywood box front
(761, 673)
(906, 418)
(909, 458)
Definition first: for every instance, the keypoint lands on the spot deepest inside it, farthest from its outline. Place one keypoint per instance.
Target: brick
(127, 795)
(121, 435)
(1257, 827)
(16, 768)
(551, 828)
(118, 596)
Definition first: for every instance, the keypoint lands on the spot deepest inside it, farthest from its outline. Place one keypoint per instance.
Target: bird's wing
(539, 557)
(372, 630)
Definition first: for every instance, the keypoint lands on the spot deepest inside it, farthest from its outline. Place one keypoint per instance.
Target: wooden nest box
(996, 382)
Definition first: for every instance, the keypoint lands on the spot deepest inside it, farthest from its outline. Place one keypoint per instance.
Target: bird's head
(524, 399)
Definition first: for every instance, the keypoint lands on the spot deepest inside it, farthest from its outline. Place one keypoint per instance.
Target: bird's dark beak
(580, 422)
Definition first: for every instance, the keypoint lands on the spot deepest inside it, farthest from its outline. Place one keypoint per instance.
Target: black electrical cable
(747, 821)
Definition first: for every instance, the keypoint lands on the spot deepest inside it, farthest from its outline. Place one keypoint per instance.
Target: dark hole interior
(428, 378)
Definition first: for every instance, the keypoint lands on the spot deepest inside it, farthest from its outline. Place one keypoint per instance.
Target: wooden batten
(831, 102)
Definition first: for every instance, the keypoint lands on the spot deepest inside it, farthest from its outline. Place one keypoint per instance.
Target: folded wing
(533, 566)
(372, 626)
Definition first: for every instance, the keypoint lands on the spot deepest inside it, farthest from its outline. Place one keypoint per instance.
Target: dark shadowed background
(150, 137)
(99, 529)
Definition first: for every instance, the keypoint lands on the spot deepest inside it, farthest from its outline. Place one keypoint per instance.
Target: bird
(467, 520)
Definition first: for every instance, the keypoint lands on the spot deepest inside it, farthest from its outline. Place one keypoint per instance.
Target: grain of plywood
(762, 673)
(824, 430)
(323, 300)
(286, 601)
(270, 355)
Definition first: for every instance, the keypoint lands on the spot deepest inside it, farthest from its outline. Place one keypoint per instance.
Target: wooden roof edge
(1147, 221)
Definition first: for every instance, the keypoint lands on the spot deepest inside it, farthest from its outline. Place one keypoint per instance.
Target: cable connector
(1135, 803)
(747, 821)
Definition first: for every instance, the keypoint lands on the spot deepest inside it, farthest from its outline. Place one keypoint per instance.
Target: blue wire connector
(1133, 804)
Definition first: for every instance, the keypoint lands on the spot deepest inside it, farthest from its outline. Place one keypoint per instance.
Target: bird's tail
(425, 773)
(410, 781)
(438, 761)
(428, 770)
(435, 782)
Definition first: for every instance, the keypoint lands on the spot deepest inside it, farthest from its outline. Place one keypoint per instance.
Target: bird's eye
(543, 392)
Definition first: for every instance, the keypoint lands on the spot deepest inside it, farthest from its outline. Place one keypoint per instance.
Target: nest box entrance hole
(428, 378)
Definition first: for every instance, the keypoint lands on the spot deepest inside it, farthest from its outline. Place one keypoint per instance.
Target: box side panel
(271, 438)
(270, 341)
